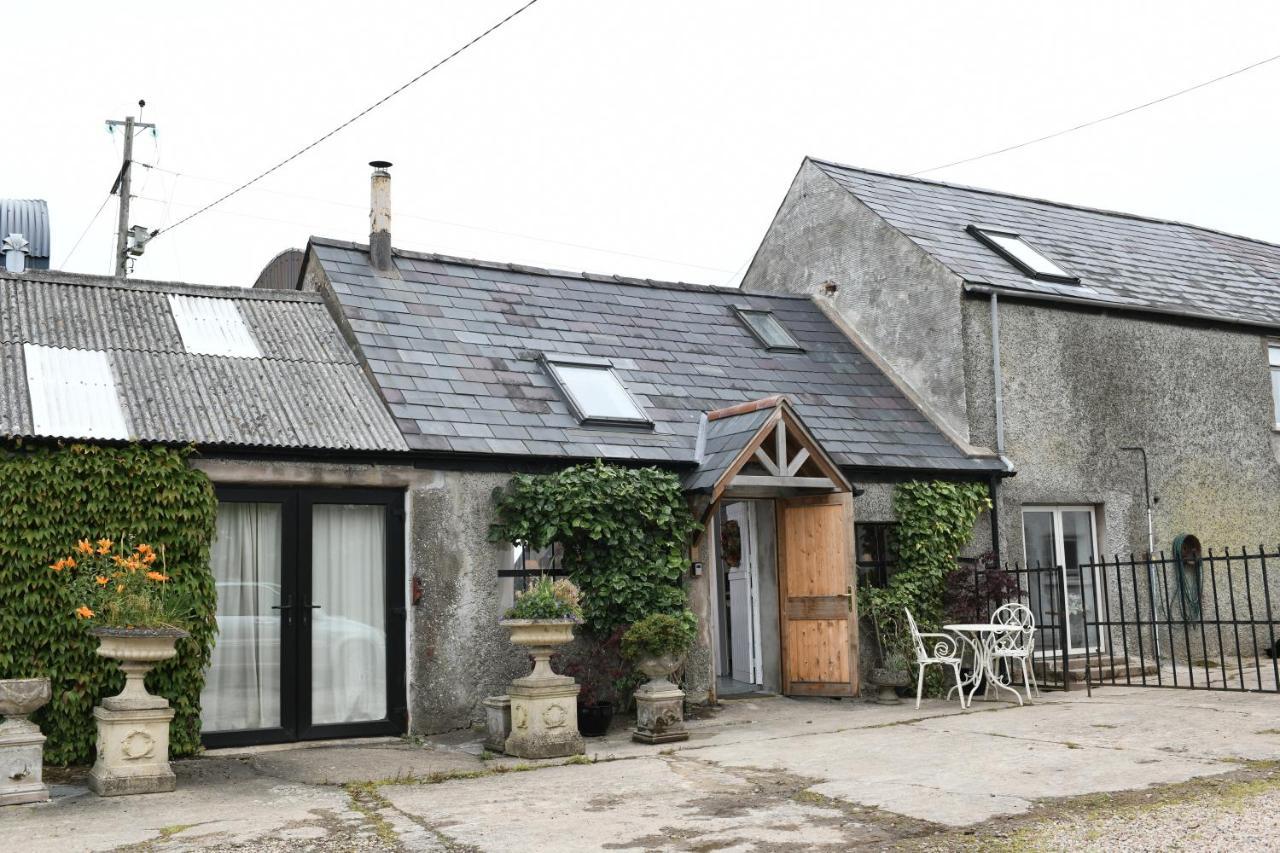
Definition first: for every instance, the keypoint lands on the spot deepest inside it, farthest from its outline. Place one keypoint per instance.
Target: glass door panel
(1040, 537)
(1082, 599)
(348, 609)
(243, 683)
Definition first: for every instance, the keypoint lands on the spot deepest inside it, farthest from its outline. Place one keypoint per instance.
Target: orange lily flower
(102, 581)
(84, 546)
(104, 545)
(84, 612)
(156, 576)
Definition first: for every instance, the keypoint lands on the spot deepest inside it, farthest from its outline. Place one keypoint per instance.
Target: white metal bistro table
(981, 637)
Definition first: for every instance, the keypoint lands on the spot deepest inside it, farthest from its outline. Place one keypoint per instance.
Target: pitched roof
(1121, 259)
(456, 347)
(305, 390)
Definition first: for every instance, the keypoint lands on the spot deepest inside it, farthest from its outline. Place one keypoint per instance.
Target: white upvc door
(741, 579)
(1065, 537)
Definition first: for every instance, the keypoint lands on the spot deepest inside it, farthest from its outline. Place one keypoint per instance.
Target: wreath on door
(731, 543)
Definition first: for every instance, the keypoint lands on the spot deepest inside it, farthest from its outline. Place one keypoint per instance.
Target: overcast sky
(641, 137)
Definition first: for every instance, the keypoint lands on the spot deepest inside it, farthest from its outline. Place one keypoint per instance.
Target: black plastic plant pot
(594, 719)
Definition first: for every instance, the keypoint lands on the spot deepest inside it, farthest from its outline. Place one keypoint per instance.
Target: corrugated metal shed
(30, 218)
(305, 390)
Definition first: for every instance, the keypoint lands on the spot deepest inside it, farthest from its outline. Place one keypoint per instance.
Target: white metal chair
(942, 649)
(1017, 645)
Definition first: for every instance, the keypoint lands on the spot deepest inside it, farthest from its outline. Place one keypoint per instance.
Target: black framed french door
(310, 615)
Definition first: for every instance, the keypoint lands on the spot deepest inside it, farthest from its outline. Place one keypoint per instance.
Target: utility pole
(122, 187)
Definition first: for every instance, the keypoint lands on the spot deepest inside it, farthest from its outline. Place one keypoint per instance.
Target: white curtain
(348, 630)
(242, 685)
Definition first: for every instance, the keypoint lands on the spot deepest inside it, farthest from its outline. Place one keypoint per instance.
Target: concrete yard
(758, 774)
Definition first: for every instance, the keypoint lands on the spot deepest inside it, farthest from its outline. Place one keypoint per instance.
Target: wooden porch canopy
(761, 449)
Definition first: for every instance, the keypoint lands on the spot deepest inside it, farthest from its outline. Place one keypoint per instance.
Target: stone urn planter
(544, 705)
(133, 725)
(887, 681)
(659, 702)
(21, 744)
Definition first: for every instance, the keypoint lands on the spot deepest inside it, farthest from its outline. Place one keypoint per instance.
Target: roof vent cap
(15, 252)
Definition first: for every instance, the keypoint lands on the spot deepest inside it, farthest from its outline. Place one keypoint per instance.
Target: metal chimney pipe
(380, 216)
(15, 253)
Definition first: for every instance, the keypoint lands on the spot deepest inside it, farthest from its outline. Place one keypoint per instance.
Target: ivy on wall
(50, 497)
(935, 520)
(625, 534)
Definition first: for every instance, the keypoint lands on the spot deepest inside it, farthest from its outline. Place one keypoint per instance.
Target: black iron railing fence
(1208, 623)
(1212, 623)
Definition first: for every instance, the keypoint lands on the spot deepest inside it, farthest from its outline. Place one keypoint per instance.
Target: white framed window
(595, 392)
(768, 330)
(1014, 248)
(212, 326)
(1273, 363)
(73, 394)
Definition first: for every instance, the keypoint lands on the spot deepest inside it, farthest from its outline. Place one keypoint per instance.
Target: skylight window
(595, 393)
(769, 331)
(211, 326)
(73, 394)
(1017, 251)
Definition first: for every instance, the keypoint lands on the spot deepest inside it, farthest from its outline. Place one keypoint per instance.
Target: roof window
(768, 330)
(595, 392)
(212, 326)
(1017, 251)
(73, 394)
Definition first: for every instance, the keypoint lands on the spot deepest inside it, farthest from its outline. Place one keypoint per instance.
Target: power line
(85, 231)
(1091, 123)
(295, 155)
(447, 222)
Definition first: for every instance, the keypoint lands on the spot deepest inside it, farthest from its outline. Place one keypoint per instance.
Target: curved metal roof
(30, 218)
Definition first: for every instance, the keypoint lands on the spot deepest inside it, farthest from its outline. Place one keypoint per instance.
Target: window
(1017, 251)
(595, 393)
(73, 394)
(211, 326)
(1273, 359)
(877, 553)
(768, 330)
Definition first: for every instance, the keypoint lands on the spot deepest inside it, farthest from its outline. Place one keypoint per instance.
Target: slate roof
(1121, 259)
(307, 390)
(455, 345)
(724, 439)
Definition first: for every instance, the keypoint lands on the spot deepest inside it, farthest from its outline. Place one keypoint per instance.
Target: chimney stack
(15, 253)
(380, 216)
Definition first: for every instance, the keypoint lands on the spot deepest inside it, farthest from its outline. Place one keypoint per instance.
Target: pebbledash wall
(1078, 383)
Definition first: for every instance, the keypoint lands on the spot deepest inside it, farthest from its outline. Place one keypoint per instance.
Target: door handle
(286, 609)
(849, 595)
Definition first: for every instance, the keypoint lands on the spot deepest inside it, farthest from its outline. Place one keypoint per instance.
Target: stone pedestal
(21, 744)
(497, 722)
(133, 726)
(659, 713)
(544, 706)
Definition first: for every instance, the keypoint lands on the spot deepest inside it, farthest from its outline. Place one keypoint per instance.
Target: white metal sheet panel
(73, 394)
(212, 326)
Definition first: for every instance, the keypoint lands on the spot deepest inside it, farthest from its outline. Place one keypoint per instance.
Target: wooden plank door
(816, 592)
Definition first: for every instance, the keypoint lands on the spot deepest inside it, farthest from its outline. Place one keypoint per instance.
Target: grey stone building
(1094, 351)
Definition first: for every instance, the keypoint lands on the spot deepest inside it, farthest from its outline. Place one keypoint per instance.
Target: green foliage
(624, 532)
(547, 599)
(51, 498)
(660, 634)
(935, 520)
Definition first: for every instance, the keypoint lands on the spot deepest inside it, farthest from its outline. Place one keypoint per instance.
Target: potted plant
(658, 644)
(893, 669)
(544, 714)
(125, 595)
(604, 678)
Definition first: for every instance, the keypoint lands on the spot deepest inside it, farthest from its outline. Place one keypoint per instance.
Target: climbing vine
(51, 498)
(625, 534)
(935, 520)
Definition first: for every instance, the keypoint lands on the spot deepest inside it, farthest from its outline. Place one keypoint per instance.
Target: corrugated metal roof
(306, 390)
(73, 394)
(212, 326)
(30, 218)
